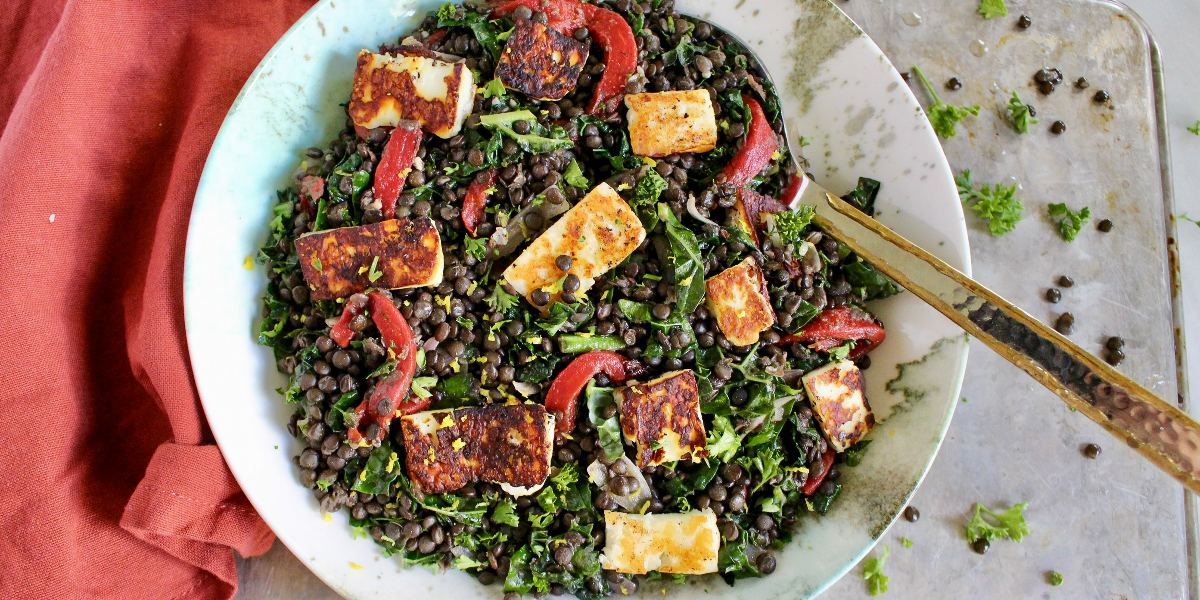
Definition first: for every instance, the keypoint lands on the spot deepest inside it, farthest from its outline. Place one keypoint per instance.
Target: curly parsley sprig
(942, 116)
(1021, 114)
(990, 9)
(877, 582)
(1069, 223)
(1011, 522)
(998, 205)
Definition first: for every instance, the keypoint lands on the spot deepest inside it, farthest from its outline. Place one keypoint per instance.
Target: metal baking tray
(1114, 527)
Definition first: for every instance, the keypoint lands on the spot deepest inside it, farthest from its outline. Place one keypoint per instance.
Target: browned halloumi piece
(685, 543)
(597, 233)
(541, 62)
(337, 262)
(836, 393)
(391, 88)
(662, 123)
(505, 444)
(662, 417)
(738, 297)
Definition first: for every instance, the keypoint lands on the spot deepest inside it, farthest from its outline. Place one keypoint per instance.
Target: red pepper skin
(435, 37)
(756, 152)
(398, 339)
(397, 159)
(563, 16)
(312, 188)
(476, 199)
(754, 205)
(815, 479)
(564, 392)
(340, 333)
(789, 196)
(620, 58)
(835, 326)
(609, 29)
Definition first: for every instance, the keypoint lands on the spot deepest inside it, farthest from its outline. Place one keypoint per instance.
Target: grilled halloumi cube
(663, 123)
(505, 444)
(398, 253)
(540, 61)
(597, 233)
(836, 393)
(738, 297)
(662, 417)
(391, 88)
(684, 543)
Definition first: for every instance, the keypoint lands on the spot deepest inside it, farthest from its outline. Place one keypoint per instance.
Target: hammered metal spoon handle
(1157, 430)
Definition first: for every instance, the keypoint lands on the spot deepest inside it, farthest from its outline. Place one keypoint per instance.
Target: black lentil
(1053, 295)
(1065, 324)
(1105, 225)
(1058, 128)
(1023, 22)
(912, 514)
(1091, 451)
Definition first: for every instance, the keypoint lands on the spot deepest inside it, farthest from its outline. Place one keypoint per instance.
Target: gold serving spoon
(1160, 432)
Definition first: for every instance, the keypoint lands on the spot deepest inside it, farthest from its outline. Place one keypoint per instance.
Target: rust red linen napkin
(110, 485)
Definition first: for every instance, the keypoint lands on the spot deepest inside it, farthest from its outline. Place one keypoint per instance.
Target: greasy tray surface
(837, 89)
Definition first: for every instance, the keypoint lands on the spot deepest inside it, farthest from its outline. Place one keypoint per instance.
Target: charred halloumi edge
(669, 440)
(737, 297)
(428, 422)
(664, 123)
(347, 255)
(541, 62)
(597, 233)
(836, 394)
(683, 543)
(439, 108)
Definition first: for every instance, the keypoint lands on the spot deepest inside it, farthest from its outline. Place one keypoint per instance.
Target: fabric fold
(111, 483)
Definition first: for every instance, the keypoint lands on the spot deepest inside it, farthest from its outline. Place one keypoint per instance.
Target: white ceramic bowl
(838, 91)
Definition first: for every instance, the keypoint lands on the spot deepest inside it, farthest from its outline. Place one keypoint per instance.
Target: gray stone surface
(1114, 527)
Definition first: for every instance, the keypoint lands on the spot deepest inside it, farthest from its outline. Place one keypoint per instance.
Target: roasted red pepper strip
(341, 333)
(757, 150)
(620, 58)
(564, 392)
(435, 37)
(476, 199)
(394, 165)
(563, 16)
(754, 205)
(793, 190)
(312, 188)
(607, 27)
(836, 326)
(393, 390)
(815, 478)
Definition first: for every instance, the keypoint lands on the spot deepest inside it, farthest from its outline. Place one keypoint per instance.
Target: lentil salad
(507, 177)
